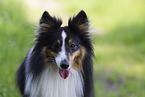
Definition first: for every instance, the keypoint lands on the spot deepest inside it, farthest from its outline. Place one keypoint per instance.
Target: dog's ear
(79, 22)
(45, 18)
(48, 22)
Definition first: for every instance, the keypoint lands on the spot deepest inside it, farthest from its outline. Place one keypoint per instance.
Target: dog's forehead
(62, 33)
(65, 32)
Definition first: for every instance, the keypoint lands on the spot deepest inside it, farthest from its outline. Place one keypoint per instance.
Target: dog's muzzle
(64, 71)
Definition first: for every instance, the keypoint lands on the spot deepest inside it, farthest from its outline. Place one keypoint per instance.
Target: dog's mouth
(64, 73)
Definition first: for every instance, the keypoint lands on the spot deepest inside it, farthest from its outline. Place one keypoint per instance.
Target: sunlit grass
(14, 42)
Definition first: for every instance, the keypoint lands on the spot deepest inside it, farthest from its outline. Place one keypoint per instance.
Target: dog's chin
(64, 73)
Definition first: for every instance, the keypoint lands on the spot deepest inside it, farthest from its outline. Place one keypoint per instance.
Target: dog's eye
(55, 46)
(73, 46)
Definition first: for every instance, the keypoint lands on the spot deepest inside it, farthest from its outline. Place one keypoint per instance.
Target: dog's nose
(64, 65)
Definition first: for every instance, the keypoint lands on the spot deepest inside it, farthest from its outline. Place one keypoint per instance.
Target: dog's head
(65, 46)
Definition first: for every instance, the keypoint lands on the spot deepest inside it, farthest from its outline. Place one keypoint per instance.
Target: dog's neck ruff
(50, 84)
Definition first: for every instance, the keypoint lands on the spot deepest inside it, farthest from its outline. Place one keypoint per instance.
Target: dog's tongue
(64, 73)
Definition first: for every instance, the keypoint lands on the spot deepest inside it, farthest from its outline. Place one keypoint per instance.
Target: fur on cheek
(48, 55)
(78, 58)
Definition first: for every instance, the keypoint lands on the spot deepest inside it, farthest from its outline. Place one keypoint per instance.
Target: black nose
(64, 65)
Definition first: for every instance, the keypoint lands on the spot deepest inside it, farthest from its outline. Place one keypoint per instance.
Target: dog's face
(63, 46)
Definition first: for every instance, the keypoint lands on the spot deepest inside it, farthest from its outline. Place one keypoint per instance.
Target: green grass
(14, 43)
(119, 65)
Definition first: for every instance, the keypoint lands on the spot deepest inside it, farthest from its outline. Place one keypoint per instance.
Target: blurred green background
(119, 41)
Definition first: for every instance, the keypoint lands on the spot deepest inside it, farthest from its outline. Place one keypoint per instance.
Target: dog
(60, 62)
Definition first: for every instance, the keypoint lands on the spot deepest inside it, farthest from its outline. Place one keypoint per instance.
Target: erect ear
(47, 22)
(79, 22)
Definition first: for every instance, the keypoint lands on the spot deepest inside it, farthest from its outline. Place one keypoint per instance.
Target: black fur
(81, 19)
(21, 77)
(48, 33)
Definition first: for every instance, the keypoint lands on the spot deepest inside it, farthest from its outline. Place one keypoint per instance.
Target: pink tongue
(64, 73)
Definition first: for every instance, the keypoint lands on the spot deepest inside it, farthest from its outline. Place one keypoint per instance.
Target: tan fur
(70, 42)
(48, 55)
(44, 27)
(58, 41)
(83, 27)
(77, 58)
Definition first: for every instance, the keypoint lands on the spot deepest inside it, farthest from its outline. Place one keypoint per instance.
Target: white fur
(62, 54)
(28, 75)
(50, 84)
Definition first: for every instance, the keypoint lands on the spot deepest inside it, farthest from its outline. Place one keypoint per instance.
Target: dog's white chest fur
(50, 84)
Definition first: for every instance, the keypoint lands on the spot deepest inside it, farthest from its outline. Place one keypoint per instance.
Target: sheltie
(60, 62)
